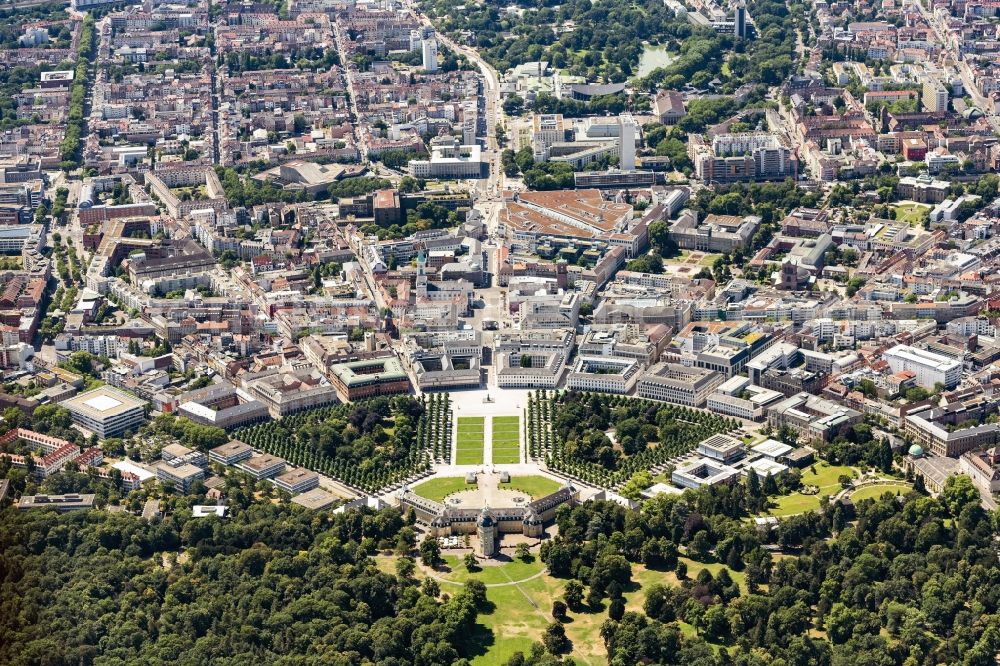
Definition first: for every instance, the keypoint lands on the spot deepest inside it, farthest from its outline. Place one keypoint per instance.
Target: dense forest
(267, 585)
(906, 581)
(897, 581)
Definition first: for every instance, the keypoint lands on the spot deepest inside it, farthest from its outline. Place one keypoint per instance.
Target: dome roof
(485, 519)
(916, 451)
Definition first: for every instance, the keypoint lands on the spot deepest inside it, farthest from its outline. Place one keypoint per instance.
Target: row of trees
(570, 430)
(368, 445)
(434, 427)
(71, 148)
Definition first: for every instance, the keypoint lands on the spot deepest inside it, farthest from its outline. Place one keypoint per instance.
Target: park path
(433, 574)
(488, 440)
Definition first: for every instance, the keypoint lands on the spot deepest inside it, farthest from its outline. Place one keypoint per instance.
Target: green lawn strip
(536, 486)
(506, 458)
(439, 488)
(469, 457)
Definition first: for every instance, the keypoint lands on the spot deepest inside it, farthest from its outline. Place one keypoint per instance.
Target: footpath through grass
(470, 439)
(520, 612)
(506, 440)
(824, 476)
(877, 490)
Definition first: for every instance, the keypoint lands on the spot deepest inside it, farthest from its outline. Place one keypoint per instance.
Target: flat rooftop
(316, 499)
(296, 475)
(103, 403)
(232, 448)
(261, 462)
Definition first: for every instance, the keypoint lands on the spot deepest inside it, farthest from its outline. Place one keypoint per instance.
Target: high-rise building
(740, 27)
(430, 51)
(627, 138)
(935, 96)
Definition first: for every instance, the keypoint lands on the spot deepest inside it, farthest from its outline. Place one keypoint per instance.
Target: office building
(230, 453)
(264, 466)
(106, 411)
(930, 368)
(603, 375)
(298, 480)
(176, 454)
(614, 179)
(740, 20)
(60, 503)
(316, 499)
(429, 50)
(449, 160)
(716, 233)
(679, 384)
(369, 378)
(722, 448)
(182, 476)
(703, 472)
(626, 138)
(812, 417)
(738, 397)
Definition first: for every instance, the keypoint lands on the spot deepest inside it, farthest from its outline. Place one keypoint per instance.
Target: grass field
(520, 608)
(515, 570)
(469, 442)
(438, 489)
(536, 486)
(521, 612)
(911, 213)
(824, 476)
(506, 440)
(876, 491)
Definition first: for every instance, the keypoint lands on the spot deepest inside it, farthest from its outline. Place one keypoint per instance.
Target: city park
(475, 449)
